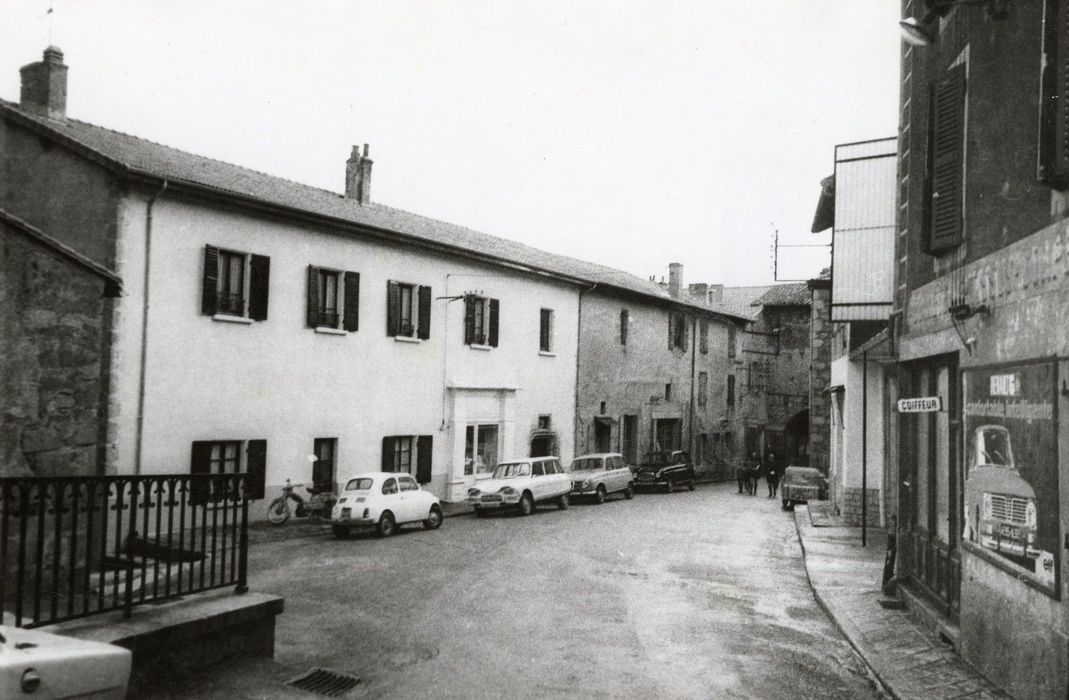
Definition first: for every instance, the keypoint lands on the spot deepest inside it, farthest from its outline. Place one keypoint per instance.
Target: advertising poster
(1011, 466)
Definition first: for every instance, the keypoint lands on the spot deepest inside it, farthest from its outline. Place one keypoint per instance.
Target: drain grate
(322, 681)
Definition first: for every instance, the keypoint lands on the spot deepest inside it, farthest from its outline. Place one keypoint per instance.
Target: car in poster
(1000, 506)
(520, 484)
(667, 469)
(597, 475)
(383, 502)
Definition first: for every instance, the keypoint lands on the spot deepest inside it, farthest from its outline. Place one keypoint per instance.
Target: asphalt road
(690, 595)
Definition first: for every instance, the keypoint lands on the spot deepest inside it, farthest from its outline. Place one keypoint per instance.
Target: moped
(317, 507)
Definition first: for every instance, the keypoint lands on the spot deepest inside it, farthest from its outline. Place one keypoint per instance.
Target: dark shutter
(671, 330)
(200, 464)
(469, 319)
(424, 452)
(947, 154)
(705, 337)
(259, 281)
(494, 314)
(684, 327)
(387, 454)
(423, 331)
(311, 314)
(351, 322)
(393, 308)
(1054, 112)
(624, 318)
(210, 284)
(256, 467)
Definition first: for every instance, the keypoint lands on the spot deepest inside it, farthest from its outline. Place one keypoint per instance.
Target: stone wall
(51, 316)
(850, 510)
(820, 342)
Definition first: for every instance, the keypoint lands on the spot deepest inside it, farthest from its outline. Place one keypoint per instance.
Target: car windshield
(359, 484)
(509, 470)
(655, 459)
(586, 464)
(992, 443)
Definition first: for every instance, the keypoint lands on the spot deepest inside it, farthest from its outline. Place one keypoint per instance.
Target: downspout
(864, 445)
(144, 330)
(693, 367)
(578, 354)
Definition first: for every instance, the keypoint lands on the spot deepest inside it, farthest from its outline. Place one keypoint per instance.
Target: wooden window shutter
(704, 328)
(469, 319)
(424, 453)
(624, 322)
(423, 330)
(351, 322)
(259, 282)
(387, 454)
(312, 300)
(682, 320)
(1053, 166)
(256, 468)
(210, 284)
(495, 313)
(200, 464)
(671, 330)
(393, 308)
(947, 161)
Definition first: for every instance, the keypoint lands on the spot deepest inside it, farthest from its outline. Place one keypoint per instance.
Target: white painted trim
(327, 330)
(406, 339)
(543, 353)
(227, 318)
(481, 347)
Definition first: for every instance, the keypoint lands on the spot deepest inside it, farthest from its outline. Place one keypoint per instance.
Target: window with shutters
(234, 284)
(732, 339)
(333, 299)
(703, 337)
(408, 310)
(677, 331)
(731, 390)
(1054, 103)
(481, 316)
(703, 388)
(946, 161)
(213, 457)
(545, 331)
(409, 454)
(625, 322)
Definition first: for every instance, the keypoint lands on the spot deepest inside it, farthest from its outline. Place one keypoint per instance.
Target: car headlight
(986, 506)
(473, 492)
(584, 484)
(1030, 514)
(507, 491)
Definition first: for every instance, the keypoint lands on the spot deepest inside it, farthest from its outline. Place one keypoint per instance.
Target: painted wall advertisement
(1011, 466)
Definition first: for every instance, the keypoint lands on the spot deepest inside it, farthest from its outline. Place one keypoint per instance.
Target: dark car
(802, 485)
(665, 468)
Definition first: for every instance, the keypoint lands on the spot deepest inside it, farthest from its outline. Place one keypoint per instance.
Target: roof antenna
(51, 9)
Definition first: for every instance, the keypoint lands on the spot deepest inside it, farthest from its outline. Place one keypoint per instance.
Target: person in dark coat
(754, 475)
(772, 475)
(742, 475)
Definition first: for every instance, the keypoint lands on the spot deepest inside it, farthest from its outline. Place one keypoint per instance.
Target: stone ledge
(171, 640)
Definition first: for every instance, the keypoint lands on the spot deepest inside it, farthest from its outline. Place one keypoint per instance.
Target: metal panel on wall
(863, 237)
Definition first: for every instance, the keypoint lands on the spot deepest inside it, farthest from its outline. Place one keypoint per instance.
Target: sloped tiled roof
(740, 300)
(793, 294)
(143, 157)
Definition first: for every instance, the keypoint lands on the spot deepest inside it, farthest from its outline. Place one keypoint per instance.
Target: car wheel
(563, 502)
(341, 532)
(434, 518)
(669, 486)
(599, 495)
(526, 504)
(690, 485)
(629, 492)
(387, 525)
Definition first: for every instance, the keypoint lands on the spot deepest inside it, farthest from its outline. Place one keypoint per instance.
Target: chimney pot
(358, 176)
(44, 85)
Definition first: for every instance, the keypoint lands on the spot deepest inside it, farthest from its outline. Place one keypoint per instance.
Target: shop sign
(923, 404)
(1011, 467)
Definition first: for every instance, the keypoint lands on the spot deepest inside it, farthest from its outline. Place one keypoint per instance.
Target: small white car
(36, 664)
(520, 484)
(598, 475)
(383, 501)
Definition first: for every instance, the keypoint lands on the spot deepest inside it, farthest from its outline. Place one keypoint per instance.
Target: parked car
(1000, 506)
(801, 485)
(44, 665)
(598, 475)
(520, 484)
(384, 501)
(666, 468)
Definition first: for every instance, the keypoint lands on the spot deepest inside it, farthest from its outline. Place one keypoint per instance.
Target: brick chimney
(44, 85)
(675, 279)
(358, 176)
(716, 294)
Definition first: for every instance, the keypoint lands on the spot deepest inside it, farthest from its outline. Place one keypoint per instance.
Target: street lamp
(921, 32)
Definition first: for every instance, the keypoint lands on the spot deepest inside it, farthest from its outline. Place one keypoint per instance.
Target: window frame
(408, 310)
(545, 330)
(481, 321)
(319, 446)
(248, 274)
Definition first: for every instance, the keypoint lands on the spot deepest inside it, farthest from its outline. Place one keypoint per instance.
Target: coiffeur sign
(1011, 468)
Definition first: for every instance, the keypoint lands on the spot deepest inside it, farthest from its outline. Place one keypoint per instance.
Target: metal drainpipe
(578, 354)
(144, 330)
(864, 445)
(693, 367)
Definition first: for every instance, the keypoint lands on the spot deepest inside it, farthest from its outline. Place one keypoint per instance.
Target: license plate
(645, 477)
(1010, 532)
(491, 499)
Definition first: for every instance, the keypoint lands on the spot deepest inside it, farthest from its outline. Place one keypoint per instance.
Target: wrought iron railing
(77, 546)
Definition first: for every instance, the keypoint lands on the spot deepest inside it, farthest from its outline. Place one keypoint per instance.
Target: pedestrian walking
(754, 475)
(772, 476)
(742, 475)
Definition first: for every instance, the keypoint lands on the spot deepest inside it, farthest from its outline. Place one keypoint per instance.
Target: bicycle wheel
(279, 511)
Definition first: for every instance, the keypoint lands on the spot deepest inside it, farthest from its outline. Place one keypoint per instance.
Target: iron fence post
(128, 594)
(243, 547)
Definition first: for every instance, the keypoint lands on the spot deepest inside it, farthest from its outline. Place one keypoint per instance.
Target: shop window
(480, 449)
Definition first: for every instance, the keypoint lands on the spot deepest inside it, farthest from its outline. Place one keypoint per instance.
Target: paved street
(699, 594)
